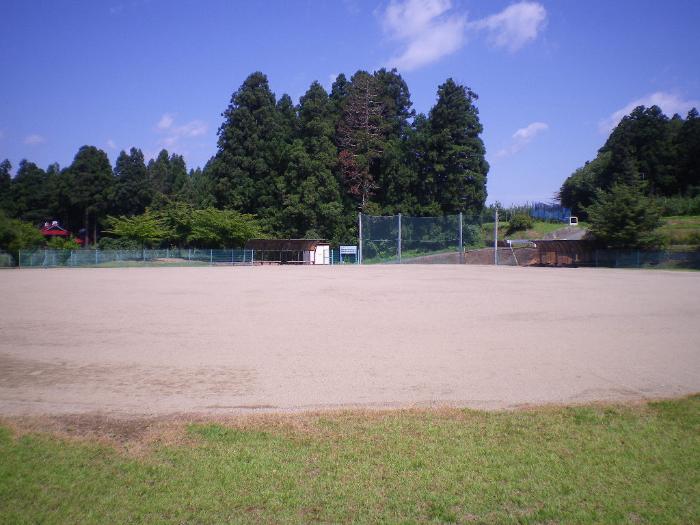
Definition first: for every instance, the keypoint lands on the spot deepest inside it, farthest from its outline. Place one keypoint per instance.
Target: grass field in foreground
(595, 464)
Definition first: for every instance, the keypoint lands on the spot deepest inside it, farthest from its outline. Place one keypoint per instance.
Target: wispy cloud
(165, 121)
(116, 9)
(173, 133)
(515, 26)
(425, 29)
(111, 144)
(669, 103)
(522, 138)
(34, 139)
(428, 30)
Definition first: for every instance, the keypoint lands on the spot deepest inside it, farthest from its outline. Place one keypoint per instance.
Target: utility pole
(495, 239)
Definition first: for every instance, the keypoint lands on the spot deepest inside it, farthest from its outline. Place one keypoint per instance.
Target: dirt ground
(225, 340)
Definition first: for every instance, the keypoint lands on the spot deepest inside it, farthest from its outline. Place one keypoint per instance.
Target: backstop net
(402, 239)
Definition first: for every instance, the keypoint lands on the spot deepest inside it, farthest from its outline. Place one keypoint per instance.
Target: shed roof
(284, 245)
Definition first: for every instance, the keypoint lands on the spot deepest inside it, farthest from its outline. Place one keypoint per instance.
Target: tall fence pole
(398, 248)
(495, 240)
(359, 230)
(461, 242)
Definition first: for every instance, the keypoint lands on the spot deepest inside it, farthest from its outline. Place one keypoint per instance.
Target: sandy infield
(157, 341)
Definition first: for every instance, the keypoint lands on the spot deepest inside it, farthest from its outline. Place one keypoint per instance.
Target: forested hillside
(646, 149)
(302, 170)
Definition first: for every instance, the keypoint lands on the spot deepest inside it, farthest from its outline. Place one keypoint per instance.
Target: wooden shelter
(290, 251)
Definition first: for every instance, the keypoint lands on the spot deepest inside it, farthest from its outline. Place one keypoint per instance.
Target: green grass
(680, 230)
(538, 230)
(594, 464)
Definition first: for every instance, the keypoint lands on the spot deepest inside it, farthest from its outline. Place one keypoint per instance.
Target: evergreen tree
(339, 94)
(6, 203)
(688, 150)
(132, 192)
(30, 193)
(641, 146)
(456, 151)
(243, 166)
(624, 217)
(313, 204)
(360, 137)
(579, 190)
(396, 177)
(90, 186)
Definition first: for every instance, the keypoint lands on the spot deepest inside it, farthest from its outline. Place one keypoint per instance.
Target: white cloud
(429, 30)
(515, 26)
(174, 133)
(165, 121)
(111, 144)
(425, 29)
(668, 102)
(522, 138)
(34, 139)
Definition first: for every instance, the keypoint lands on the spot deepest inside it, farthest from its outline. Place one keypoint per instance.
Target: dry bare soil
(167, 341)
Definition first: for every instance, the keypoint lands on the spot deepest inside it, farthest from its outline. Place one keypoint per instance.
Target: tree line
(660, 156)
(301, 170)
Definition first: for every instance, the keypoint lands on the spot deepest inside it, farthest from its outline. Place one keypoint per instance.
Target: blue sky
(552, 77)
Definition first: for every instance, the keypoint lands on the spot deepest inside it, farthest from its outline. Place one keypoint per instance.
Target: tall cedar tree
(456, 151)
(360, 137)
(243, 166)
(396, 179)
(90, 187)
(313, 200)
(6, 202)
(30, 193)
(132, 192)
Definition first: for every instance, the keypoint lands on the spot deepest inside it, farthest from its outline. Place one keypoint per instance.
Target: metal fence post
(19, 259)
(211, 256)
(399, 240)
(461, 244)
(359, 229)
(495, 240)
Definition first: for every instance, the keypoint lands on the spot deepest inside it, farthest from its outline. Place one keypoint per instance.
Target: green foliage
(519, 222)
(132, 191)
(678, 205)
(30, 193)
(222, 228)
(645, 145)
(120, 243)
(456, 151)
(62, 243)
(302, 170)
(17, 235)
(146, 229)
(624, 217)
(6, 201)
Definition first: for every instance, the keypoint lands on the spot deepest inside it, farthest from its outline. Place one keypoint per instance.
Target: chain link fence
(119, 258)
(45, 258)
(402, 239)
